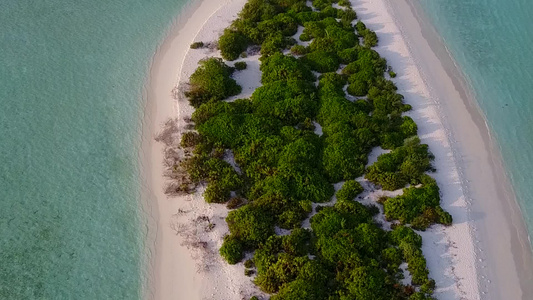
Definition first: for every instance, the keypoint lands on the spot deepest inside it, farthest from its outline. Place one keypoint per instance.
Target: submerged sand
(484, 255)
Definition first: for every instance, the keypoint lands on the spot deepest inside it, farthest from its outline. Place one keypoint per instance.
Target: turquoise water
(71, 78)
(492, 42)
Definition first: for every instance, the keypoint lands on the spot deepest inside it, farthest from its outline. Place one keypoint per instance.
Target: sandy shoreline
(502, 250)
(172, 272)
(461, 259)
(184, 259)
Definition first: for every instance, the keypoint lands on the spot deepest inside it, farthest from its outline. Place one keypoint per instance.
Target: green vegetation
(197, 45)
(369, 37)
(232, 44)
(403, 165)
(285, 167)
(299, 50)
(240, 65)
(211, 82)
(350, 189)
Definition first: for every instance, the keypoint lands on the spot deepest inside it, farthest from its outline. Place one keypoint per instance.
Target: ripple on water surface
(71, 99)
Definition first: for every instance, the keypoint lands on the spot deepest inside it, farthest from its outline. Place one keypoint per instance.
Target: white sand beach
(464, 259)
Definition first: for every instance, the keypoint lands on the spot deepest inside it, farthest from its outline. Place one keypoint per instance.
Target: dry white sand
(186, 264)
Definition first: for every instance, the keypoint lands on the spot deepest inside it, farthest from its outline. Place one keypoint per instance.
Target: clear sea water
(492, 42)
(71, 80)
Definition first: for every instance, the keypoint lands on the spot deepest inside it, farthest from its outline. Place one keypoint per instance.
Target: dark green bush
(216, 193)
(412, 204)
(348, 55)
(275, 43)
(322, 61)
(282, 67)
(298, 50)
(249, 263)
(403, 165)
(197, 45)
(345, 3)
(358, 88)
(211, 81)
(350, 189)
(232, 44)
(370, 38)
(250, 225)
(234, 202)
(232, 250)
(240, 65)
(408, 127)
(190, 139)
(259, 10)
(290, 101)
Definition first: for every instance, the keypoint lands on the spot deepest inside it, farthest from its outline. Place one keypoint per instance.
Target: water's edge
(520, 245)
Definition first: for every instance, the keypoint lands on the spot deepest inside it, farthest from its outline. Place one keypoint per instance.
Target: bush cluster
(211, 82)
(285, 167)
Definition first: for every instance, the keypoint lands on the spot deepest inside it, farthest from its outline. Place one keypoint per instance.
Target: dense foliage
(211, 82)
(285, 166)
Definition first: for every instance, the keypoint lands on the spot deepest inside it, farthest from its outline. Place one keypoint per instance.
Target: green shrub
(211, 81)
(240, 65)
(347, 16)
(250, 225)
(299, 50)
(258, 10)
(360, 27)
(329, 12)
(322, 61)
(412, 204)
(408, 127)
(232, 44)
(348, 55)
(405, 164)
(216, 193)
(304, 37)
(249, 263)
(275, 43)
(345, 3)
(282, 67)
(370, 38)
(234, 202)
(350, 189)
(298, 242)
(190, 139)
(358, 88)
(197, 45)
(290, 101)
(232, 250)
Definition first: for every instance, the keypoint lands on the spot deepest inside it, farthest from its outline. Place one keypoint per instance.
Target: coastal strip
(503, 253)
(450, 251)
(173, 273)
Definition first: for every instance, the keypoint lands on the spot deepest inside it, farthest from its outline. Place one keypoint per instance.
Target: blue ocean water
(492, 42)
(71, 80)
